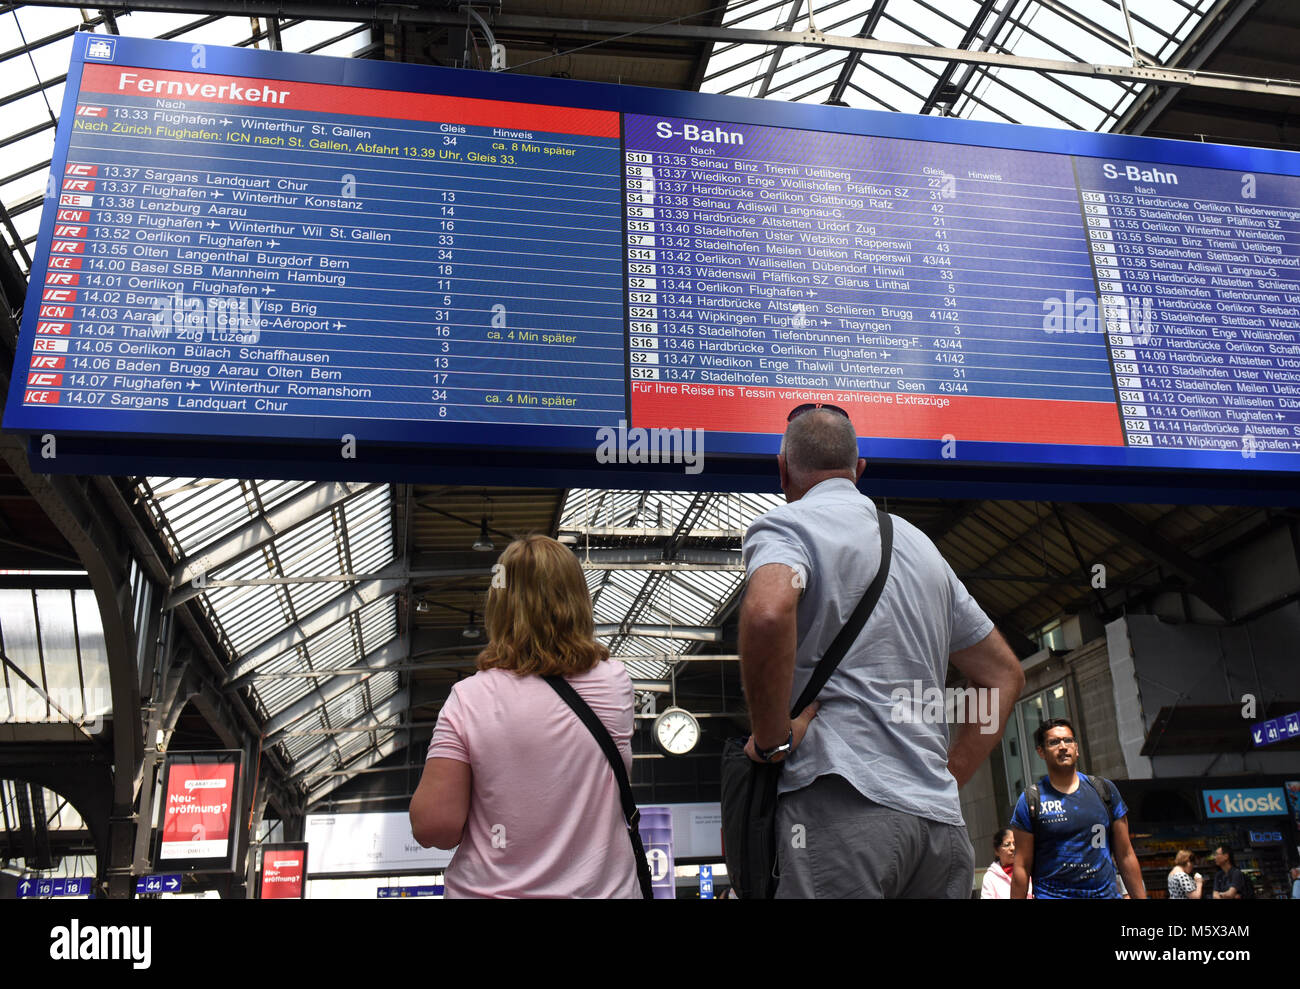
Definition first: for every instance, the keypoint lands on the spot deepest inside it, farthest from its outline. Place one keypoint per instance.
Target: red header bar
(344, 100)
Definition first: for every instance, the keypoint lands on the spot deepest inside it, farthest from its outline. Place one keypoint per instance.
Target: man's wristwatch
(767, 754)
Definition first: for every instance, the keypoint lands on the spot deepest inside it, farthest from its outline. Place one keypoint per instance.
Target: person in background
(1075, 845)
(997, 877)
(514, 780)
(1181, 883)
(1230, 883)
(1295, 883)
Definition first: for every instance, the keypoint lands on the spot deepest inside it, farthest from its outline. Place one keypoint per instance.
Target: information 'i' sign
(289, 248)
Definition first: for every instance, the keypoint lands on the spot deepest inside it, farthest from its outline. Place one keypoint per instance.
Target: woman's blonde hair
(1183, 857)
(538, 614)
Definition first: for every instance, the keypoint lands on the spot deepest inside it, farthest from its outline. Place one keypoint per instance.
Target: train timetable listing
(1198, 271)
(457, 260)
(906, 281)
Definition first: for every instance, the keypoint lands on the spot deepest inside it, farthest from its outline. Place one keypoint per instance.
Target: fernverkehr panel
(283, 248)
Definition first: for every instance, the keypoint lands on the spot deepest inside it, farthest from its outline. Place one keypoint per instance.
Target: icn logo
(101, 49)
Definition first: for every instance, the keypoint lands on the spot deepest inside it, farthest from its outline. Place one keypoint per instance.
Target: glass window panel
(54, 608)
(94, 657)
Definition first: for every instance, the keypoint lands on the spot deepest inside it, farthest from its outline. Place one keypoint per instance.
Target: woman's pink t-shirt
(544, 813)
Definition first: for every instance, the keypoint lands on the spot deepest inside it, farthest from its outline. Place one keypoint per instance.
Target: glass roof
(1093, 31)
(288, 600)
(670, 605)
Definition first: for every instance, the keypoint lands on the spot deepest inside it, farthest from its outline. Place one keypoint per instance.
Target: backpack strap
(1031, 802)
(1104, 788)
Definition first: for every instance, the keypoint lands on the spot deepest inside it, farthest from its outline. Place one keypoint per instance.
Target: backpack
(1103, 786)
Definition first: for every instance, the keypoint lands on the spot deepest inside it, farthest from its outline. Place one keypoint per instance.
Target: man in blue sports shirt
(1068, 850)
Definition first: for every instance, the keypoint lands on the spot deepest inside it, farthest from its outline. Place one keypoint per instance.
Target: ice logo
(101, 48)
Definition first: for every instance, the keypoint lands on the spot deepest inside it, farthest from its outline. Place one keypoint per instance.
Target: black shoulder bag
(749, 788)
(630, 812)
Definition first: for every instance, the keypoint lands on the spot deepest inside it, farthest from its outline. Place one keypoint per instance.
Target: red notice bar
(992, 420)
(341, 100)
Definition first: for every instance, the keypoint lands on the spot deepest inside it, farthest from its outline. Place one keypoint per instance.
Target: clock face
(677, 731)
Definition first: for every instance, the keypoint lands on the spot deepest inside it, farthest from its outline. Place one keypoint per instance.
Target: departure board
(288, 249)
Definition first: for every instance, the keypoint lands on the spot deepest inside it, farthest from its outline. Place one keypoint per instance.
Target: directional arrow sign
(25, 888)
(156, 884)
(1282, 729)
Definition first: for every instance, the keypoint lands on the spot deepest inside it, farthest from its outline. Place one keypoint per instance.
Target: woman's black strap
(630, 812)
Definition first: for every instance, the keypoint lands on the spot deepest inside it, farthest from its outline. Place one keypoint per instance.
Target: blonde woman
(1182, 885)
(514, 780)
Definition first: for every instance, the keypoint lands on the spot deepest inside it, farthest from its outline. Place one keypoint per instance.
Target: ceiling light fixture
(483, 543)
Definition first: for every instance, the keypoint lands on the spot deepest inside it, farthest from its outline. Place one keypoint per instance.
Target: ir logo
(798, 836)
(1099, 836)
(498, 836)
(498, 575)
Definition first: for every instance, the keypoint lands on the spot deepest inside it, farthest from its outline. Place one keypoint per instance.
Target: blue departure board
(292, 251)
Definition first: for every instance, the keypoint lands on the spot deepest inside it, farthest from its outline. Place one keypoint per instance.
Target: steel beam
(364, 761)
(398, 704)
(333, 611)
(73, 508)
(385, 657)
(256, 533)
(701, 33)
(1204, 40)
(1205, 582)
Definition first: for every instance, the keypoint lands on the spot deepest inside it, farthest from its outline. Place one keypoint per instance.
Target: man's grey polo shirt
(831, 536)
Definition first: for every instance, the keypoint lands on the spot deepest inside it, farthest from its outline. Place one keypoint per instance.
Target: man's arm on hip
(768, 640)
(988, 665)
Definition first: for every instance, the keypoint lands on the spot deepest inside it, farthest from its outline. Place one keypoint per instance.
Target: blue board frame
(564, 456)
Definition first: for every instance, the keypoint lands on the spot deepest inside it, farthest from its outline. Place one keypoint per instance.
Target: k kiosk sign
(200, 811)
(1267, 801)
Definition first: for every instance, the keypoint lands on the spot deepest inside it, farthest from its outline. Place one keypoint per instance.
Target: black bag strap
(1102, 786)
(853, 627)
(1031, 804)
(631, 812)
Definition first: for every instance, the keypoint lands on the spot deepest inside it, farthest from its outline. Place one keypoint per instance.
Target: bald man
(869, 804)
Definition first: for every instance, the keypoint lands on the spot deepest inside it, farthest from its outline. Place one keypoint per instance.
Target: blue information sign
(706, 882)
(405, 892)
(76, 886)
(357, 265)
(1283, 729)
(168, 883)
